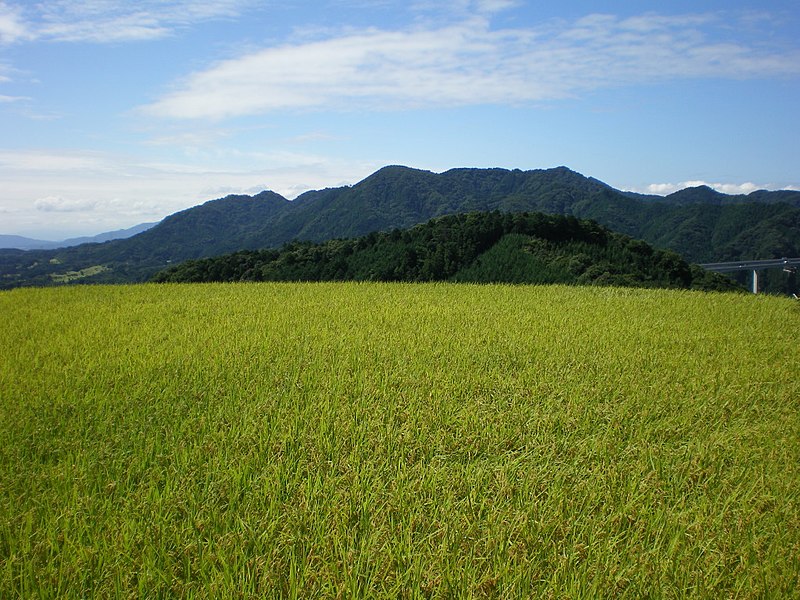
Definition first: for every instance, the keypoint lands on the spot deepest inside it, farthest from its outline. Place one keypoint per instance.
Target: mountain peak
(393, 172)
(700, 194)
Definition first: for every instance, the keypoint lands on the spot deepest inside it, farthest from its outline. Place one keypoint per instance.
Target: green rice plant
(398, 441)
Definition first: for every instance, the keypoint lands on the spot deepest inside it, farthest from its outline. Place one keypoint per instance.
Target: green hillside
(761, 225)
(474, 247)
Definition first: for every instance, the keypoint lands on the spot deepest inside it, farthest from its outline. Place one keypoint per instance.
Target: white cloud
(190, 139)
(59, 204)
(469, 63)
(12, 27)
(8, 99)
(492, 6)
(736, 188)
(463, 7)
(104, 21)
(312, 136)
(45, 161)
(663, 189)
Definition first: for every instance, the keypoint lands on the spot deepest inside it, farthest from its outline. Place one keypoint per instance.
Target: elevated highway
(787, 264)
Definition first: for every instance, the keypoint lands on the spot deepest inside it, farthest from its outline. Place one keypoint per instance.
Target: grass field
(392, 440)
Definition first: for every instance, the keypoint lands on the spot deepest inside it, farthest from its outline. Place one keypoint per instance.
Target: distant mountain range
(700, 224)
(19, 242)
(703, 194)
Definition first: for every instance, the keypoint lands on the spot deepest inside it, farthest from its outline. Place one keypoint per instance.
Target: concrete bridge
(787, 264)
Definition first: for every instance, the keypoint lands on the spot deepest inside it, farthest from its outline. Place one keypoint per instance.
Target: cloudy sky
(115, 112)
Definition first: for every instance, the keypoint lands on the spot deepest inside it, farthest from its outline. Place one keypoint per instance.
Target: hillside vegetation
(476, 247)
(398, 440)
(699, 224)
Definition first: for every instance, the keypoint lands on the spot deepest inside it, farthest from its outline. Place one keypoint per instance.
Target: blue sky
(114, 113)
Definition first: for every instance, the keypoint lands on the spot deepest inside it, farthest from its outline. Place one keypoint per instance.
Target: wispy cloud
(463, 7)
(312, 136)
(469, 63)
(12, 26)
(102, 21)
(190, 139)
(59, 204)
(47, 162)
(5, 72)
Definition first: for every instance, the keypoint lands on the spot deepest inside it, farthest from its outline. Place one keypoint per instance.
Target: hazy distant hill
(400, 197)
(19, 242)
(477, 247)
(703, 194)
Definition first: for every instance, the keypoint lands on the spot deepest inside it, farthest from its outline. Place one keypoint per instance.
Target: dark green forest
(477, 247)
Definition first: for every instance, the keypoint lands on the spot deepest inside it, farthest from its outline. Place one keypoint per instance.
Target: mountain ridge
(400, 197)
(20, 242)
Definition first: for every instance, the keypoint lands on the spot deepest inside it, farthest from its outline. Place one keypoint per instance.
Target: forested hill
(474, 247)
(400, 197)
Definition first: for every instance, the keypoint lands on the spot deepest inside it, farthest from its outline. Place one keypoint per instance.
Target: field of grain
(398, 440)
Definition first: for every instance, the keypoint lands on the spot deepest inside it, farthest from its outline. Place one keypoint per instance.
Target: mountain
(477, 247)
(703, 194)
(18, 242)
(400, 197)
(118, 234)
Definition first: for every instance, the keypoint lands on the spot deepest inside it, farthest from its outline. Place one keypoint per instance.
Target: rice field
(398, 441)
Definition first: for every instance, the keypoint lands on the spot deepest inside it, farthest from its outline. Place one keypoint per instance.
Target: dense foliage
(398, 441)
(474, 247)
(699, 224)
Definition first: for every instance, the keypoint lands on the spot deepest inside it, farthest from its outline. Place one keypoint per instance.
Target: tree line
(480, 247)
